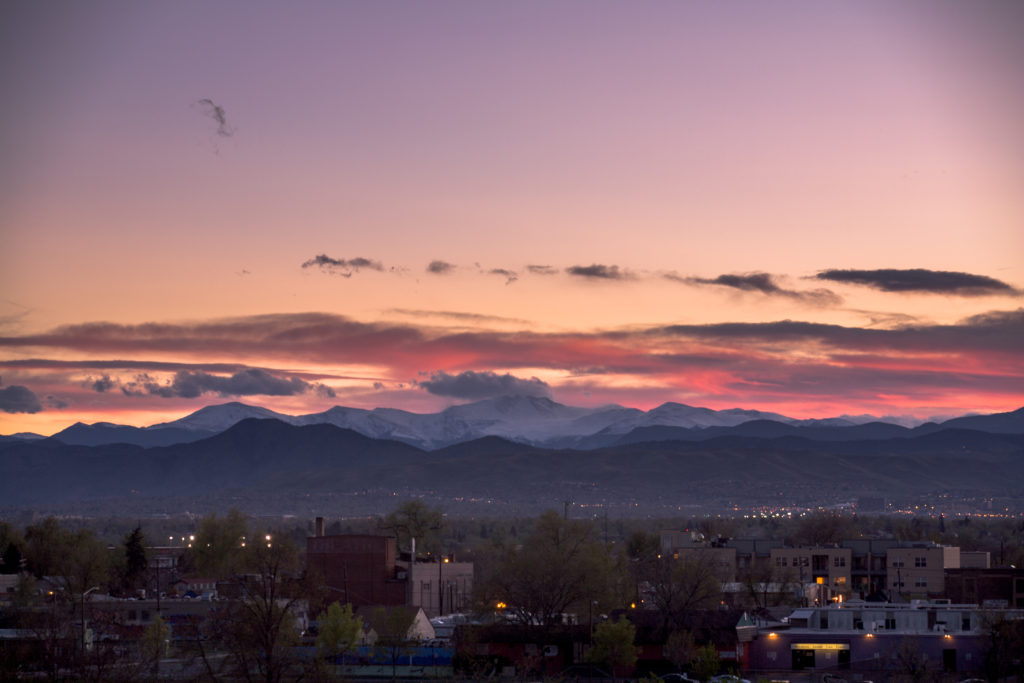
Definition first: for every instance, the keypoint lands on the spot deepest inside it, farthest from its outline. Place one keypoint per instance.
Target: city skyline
(793, 208)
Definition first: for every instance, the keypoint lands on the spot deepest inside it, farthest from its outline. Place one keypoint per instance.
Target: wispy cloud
(479, 385)
(599, 271)
(214, 111)
(343, 267)
(922, 280)
(761, 283)
(440, 267)
(509, 275)
(541, 270)
(457, 315)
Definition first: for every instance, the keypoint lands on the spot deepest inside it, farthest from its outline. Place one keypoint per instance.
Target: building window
(897, 562)
(424, 586)
(965, 624)
(920, 582)
(920, 561)
(838, 561)
(890, 623)
(780, 562)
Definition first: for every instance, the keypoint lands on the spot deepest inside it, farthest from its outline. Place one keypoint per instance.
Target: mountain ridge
(270, 459)
(538, 421)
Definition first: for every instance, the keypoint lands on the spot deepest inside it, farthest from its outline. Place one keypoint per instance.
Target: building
(821, 566)
(918, 570)
(881, 569)
(358, 568)
(877, 639)
(1002, 586)
(363, 569)
(440, 587)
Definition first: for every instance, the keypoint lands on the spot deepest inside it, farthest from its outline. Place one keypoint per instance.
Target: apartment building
(918, 570)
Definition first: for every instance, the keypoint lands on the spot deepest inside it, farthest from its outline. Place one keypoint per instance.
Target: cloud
(763, 283)
(18, 399)
(542, 270)
(751, 282)
(509, 275)
(246, 383)
(440, 267)
(480, 385)
(921, 280)
(216, 112)
(100, 385)
(55, 402)
(343, 267)
(455, 315)
(598, 271)
(977, 359)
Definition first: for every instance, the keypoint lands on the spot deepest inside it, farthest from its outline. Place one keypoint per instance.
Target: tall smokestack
(319, 526)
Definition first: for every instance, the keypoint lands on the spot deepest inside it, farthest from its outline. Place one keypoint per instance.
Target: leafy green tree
(392, 625)
(706, 662)
(44, 545)
(76, 559)
(339, 631)
(218, 550)
(153, 645)
(613, 645)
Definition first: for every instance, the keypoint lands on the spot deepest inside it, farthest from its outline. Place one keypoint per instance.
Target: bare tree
(679, 585)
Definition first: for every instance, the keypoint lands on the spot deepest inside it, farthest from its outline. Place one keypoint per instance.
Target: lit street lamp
(94, 588)
(441, 562)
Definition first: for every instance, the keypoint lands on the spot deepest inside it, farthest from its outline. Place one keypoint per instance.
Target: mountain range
(664, 457)
(530, 420)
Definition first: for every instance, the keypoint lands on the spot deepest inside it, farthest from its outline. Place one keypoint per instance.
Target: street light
(94, 588)
(441, 562)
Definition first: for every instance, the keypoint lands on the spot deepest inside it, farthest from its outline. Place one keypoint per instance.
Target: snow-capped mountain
(532, 420)
(220, 417)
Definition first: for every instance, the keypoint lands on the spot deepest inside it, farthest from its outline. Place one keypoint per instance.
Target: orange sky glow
(796, 207)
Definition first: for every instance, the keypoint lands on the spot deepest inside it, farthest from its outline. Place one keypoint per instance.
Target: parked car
(677, 678)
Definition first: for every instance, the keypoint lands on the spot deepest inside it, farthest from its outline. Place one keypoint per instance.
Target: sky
(804, 207)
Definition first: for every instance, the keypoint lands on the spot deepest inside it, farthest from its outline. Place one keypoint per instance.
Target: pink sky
(796, 206)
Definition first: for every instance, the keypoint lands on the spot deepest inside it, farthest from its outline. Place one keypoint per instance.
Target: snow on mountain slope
(217, 418)
(534, 420)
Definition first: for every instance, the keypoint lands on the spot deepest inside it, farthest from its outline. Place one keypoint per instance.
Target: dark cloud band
(598, 271)
(921, 280)
(480, 385)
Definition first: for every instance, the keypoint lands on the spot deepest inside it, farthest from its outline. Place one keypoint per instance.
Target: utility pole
(441, 562)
